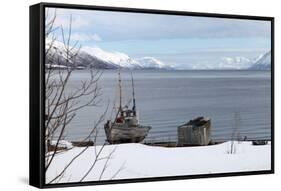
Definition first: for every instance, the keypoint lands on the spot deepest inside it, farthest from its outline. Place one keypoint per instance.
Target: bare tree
(61, 105)
(235, 133)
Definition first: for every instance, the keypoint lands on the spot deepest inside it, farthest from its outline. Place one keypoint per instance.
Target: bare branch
(62, 105)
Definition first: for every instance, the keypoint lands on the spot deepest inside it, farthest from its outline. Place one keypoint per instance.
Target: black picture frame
(37, 93)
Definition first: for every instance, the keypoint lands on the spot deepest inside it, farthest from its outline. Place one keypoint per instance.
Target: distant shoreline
(125, 69)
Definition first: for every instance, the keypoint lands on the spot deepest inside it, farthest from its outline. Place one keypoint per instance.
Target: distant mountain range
(94, 57)
(262, 63)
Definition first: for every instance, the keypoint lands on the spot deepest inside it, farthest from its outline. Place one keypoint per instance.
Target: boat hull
(117, 134)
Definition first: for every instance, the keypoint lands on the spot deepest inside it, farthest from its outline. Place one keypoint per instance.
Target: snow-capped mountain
(114, 58)
(263, 62)
(95, 57)
(56, 58)
(237, 63)
(150, 62)
(124, 61)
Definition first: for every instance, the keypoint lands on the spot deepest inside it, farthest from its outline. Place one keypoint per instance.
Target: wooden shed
(197, 132)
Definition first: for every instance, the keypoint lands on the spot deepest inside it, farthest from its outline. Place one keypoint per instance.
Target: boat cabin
(126, 115)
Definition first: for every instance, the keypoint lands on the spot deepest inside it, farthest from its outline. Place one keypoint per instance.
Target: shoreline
(141, 161)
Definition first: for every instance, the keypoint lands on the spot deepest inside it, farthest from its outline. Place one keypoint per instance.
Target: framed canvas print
(122, 95)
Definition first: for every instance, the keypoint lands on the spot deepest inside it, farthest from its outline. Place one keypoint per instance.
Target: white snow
(62, 143)
(117, 58)
(264, 58)
(263, 62)
(151, 62)
(123, 60)
(55, 66)
(139, 161)
(237, 62)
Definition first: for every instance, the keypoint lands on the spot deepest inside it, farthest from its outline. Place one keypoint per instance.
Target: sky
(183, 41)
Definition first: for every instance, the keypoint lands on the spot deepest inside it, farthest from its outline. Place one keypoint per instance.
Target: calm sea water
(167, 99)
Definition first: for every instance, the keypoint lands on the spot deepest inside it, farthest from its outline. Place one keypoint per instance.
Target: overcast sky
(138, 34)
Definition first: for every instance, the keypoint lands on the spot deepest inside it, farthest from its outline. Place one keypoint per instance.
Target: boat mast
(134, 100)
(120, 90)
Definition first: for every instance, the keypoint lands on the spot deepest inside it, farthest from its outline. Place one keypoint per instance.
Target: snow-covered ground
(140, 161)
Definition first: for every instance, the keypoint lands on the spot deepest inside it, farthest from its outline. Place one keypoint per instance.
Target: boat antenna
(134, 100)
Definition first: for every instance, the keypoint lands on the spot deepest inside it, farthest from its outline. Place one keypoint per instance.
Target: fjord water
(167, 99)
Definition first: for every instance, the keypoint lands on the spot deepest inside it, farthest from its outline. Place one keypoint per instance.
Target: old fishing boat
(196, 132)
(125, 128)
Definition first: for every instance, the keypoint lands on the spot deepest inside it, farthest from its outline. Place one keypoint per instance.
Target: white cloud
(131, 26)
(77, 22)
(63, 17)
(86, 37)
